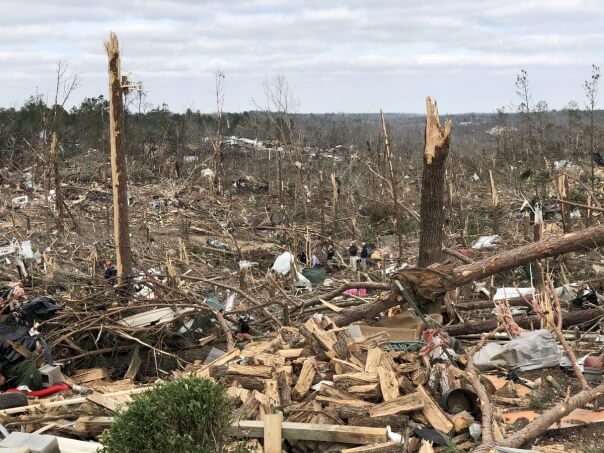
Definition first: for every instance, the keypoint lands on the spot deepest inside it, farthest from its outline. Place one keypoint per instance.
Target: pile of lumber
(317, 376)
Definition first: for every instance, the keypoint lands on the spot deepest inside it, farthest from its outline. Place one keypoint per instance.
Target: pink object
(356, 292)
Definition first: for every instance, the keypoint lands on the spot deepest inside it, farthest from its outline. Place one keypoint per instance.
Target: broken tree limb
(551, 416)
(483, 304)
(580, 205)
(568, 319)
(580, 240)
(387, 300)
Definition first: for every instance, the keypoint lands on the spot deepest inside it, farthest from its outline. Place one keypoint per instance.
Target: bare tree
(65, 84)
(591, 93)
(218, 143)
(280, 109)
(525, 110)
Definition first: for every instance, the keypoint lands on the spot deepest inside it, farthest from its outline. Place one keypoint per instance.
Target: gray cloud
(338, 56)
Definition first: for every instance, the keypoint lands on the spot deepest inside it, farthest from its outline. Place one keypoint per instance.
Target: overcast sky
(337, 56)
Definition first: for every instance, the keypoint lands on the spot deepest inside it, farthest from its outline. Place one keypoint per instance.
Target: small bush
(187, 415)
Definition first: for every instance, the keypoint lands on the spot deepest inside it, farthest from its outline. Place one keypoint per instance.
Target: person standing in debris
(353, 254)
(314, 261)
(364, 256)
(331, 253)
(302, 257)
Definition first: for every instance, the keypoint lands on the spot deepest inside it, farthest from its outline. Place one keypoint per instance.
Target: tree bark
(568, 319)
(588, 238)
(581, 240)
(118, 161)
(54, 157)
(551, 416)
(437, 143)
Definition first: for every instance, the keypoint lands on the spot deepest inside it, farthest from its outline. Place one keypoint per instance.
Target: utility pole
(119, 177)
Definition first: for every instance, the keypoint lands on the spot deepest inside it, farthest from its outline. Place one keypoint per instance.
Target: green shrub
(187, 415)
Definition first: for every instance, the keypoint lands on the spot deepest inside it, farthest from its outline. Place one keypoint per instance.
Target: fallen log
(568, 319)
(387, 300)
(483, 304)
(500, 262)
(580, 240)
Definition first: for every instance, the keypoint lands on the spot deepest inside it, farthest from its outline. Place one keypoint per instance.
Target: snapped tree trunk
(433, 183)
(119, 176)
(54, 157)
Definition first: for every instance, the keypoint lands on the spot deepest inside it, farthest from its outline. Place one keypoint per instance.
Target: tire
(12, 399)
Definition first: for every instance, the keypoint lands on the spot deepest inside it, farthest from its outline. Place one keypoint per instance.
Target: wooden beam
(272, 433)
(314, 432)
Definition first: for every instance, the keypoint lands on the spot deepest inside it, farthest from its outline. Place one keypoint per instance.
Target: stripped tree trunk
(118, 161)
(393, 186)
(562, 186)
(495, 203)
(433, 184)
(58, 192)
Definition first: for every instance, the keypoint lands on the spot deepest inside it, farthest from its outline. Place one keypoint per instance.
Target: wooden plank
(426, 447)
(77, 446)
(388, 383)
(104, 400)
(272, 433)
(290, 353)
(267, 359)
(359, 435)
(353, 367)
(355, 379)
(365, 389)
(205, 370)
(401, 405)
(89, 375)
(93, 425)
(252, 349)
(374, 357)
(135, 364)
(154, 317)
(334, 392)
(332, 307)
(271, 390)
(251, 370)
(433, 412)
(307, 374)
(326, 339)
(385, 447)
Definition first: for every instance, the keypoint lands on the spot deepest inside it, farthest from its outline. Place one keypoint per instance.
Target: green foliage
(188, 415)
(451, 447)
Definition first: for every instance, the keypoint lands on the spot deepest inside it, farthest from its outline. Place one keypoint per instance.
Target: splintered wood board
(359, 435)
(157, 316)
